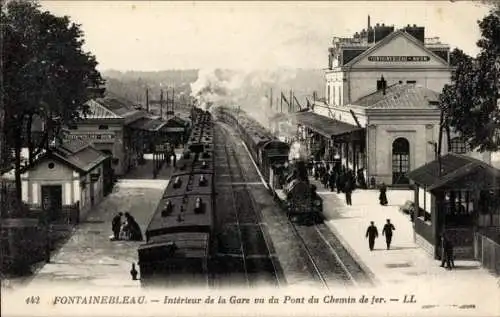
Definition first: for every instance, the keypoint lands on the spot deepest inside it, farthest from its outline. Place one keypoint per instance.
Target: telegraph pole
(161, 103)
(147, 99)
(271, 98)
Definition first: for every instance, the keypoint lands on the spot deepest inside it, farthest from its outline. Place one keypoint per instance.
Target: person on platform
(371, 234)
(383, 195)
(135, 230)
(387, 231)
(446, 252)
(326, 176)
(174, 159)
(339, 181)
(116, 224)
(332, 179)
(348, 189)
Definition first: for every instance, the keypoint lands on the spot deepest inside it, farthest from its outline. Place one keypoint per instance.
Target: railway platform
(406, 268)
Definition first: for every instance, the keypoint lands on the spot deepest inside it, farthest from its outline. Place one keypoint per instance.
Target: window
(424, 204)
(333, 95)
(411, 81)
(458, 145)
(328, 91)
(103, 127)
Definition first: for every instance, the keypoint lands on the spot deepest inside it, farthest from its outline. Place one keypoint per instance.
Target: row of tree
(45, 74)
(470, 104)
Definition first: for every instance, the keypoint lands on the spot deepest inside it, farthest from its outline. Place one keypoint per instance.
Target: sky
(161, 35)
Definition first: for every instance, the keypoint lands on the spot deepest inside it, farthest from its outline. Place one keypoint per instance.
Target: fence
(488, 251)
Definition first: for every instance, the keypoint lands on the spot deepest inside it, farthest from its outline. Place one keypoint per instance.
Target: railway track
(244, 255)
(330, 269)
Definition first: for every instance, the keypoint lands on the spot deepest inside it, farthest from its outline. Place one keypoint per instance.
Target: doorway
(400, 161)
(52, 201)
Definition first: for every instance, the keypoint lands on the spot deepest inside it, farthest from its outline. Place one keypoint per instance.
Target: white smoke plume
(250, 90)
(297, 152)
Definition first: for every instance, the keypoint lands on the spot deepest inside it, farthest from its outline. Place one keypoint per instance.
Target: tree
(45, 73)
(470, 103)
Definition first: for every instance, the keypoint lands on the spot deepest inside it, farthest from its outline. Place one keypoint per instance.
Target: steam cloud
(250, 90)
(297, 152)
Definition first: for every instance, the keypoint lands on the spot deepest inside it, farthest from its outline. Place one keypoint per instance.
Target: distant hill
(132, 84)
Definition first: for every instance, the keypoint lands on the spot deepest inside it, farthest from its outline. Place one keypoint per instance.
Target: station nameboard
(399, 58)
(103, 137)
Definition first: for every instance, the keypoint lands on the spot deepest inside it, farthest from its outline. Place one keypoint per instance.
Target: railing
(487, 251)
(69, 214)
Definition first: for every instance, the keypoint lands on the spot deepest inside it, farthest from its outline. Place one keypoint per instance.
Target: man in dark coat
(326, 176)
(135, 230)
(383, 195)
(340, 181)
(371, 234)
(116, 225)
(348, 188)
(387, 231)
(332, 179)
(446, 252)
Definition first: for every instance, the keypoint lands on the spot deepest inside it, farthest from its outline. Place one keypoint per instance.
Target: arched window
(400, 161)
(458, 145)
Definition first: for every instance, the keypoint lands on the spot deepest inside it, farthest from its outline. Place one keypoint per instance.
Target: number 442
(33, 300)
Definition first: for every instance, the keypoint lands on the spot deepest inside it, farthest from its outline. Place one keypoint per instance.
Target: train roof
(193, 164)
(188, 245)
(189, 183)
(175, 220)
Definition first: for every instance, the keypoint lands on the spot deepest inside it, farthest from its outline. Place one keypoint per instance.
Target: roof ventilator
(177, 182)
(203, 181)
(198, 207)
(167, 209)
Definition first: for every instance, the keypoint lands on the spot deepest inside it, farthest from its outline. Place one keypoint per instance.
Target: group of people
(334, 177)
(372, 234)
(125, 229)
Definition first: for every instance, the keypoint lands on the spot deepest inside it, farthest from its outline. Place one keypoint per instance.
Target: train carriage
(175, 260)
(179, 235)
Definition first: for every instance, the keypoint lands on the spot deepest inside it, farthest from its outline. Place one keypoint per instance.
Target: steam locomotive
(286, 179)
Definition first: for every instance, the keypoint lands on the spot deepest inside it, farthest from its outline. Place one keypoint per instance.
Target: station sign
(399, 58)
(172, 129)
(92, 136)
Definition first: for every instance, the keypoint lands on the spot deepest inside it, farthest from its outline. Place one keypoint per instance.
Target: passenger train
(272, 157)
(179, 235)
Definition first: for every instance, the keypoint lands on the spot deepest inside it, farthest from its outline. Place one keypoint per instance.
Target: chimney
(369, 22)
(384, 84)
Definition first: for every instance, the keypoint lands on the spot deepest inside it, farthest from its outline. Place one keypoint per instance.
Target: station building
(380, 115)
(118, 128)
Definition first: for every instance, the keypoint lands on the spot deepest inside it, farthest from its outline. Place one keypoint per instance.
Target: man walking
(371, 234)
(387, 231)
(446, 252)
(348, 188)
(116, 225)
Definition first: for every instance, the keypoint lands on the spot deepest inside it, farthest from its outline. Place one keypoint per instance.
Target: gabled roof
(400, 96)
(389, 38)
(77, 154)
(177, 122)
(455, 169)
(98, 111)
(148, 124)
(112, 107)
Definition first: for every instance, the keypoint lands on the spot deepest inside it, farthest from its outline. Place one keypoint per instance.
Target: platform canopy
(148, 124)
(458, 172)
(325, 126)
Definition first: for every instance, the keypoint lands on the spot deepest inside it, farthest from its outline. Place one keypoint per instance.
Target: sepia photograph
(271, 158)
